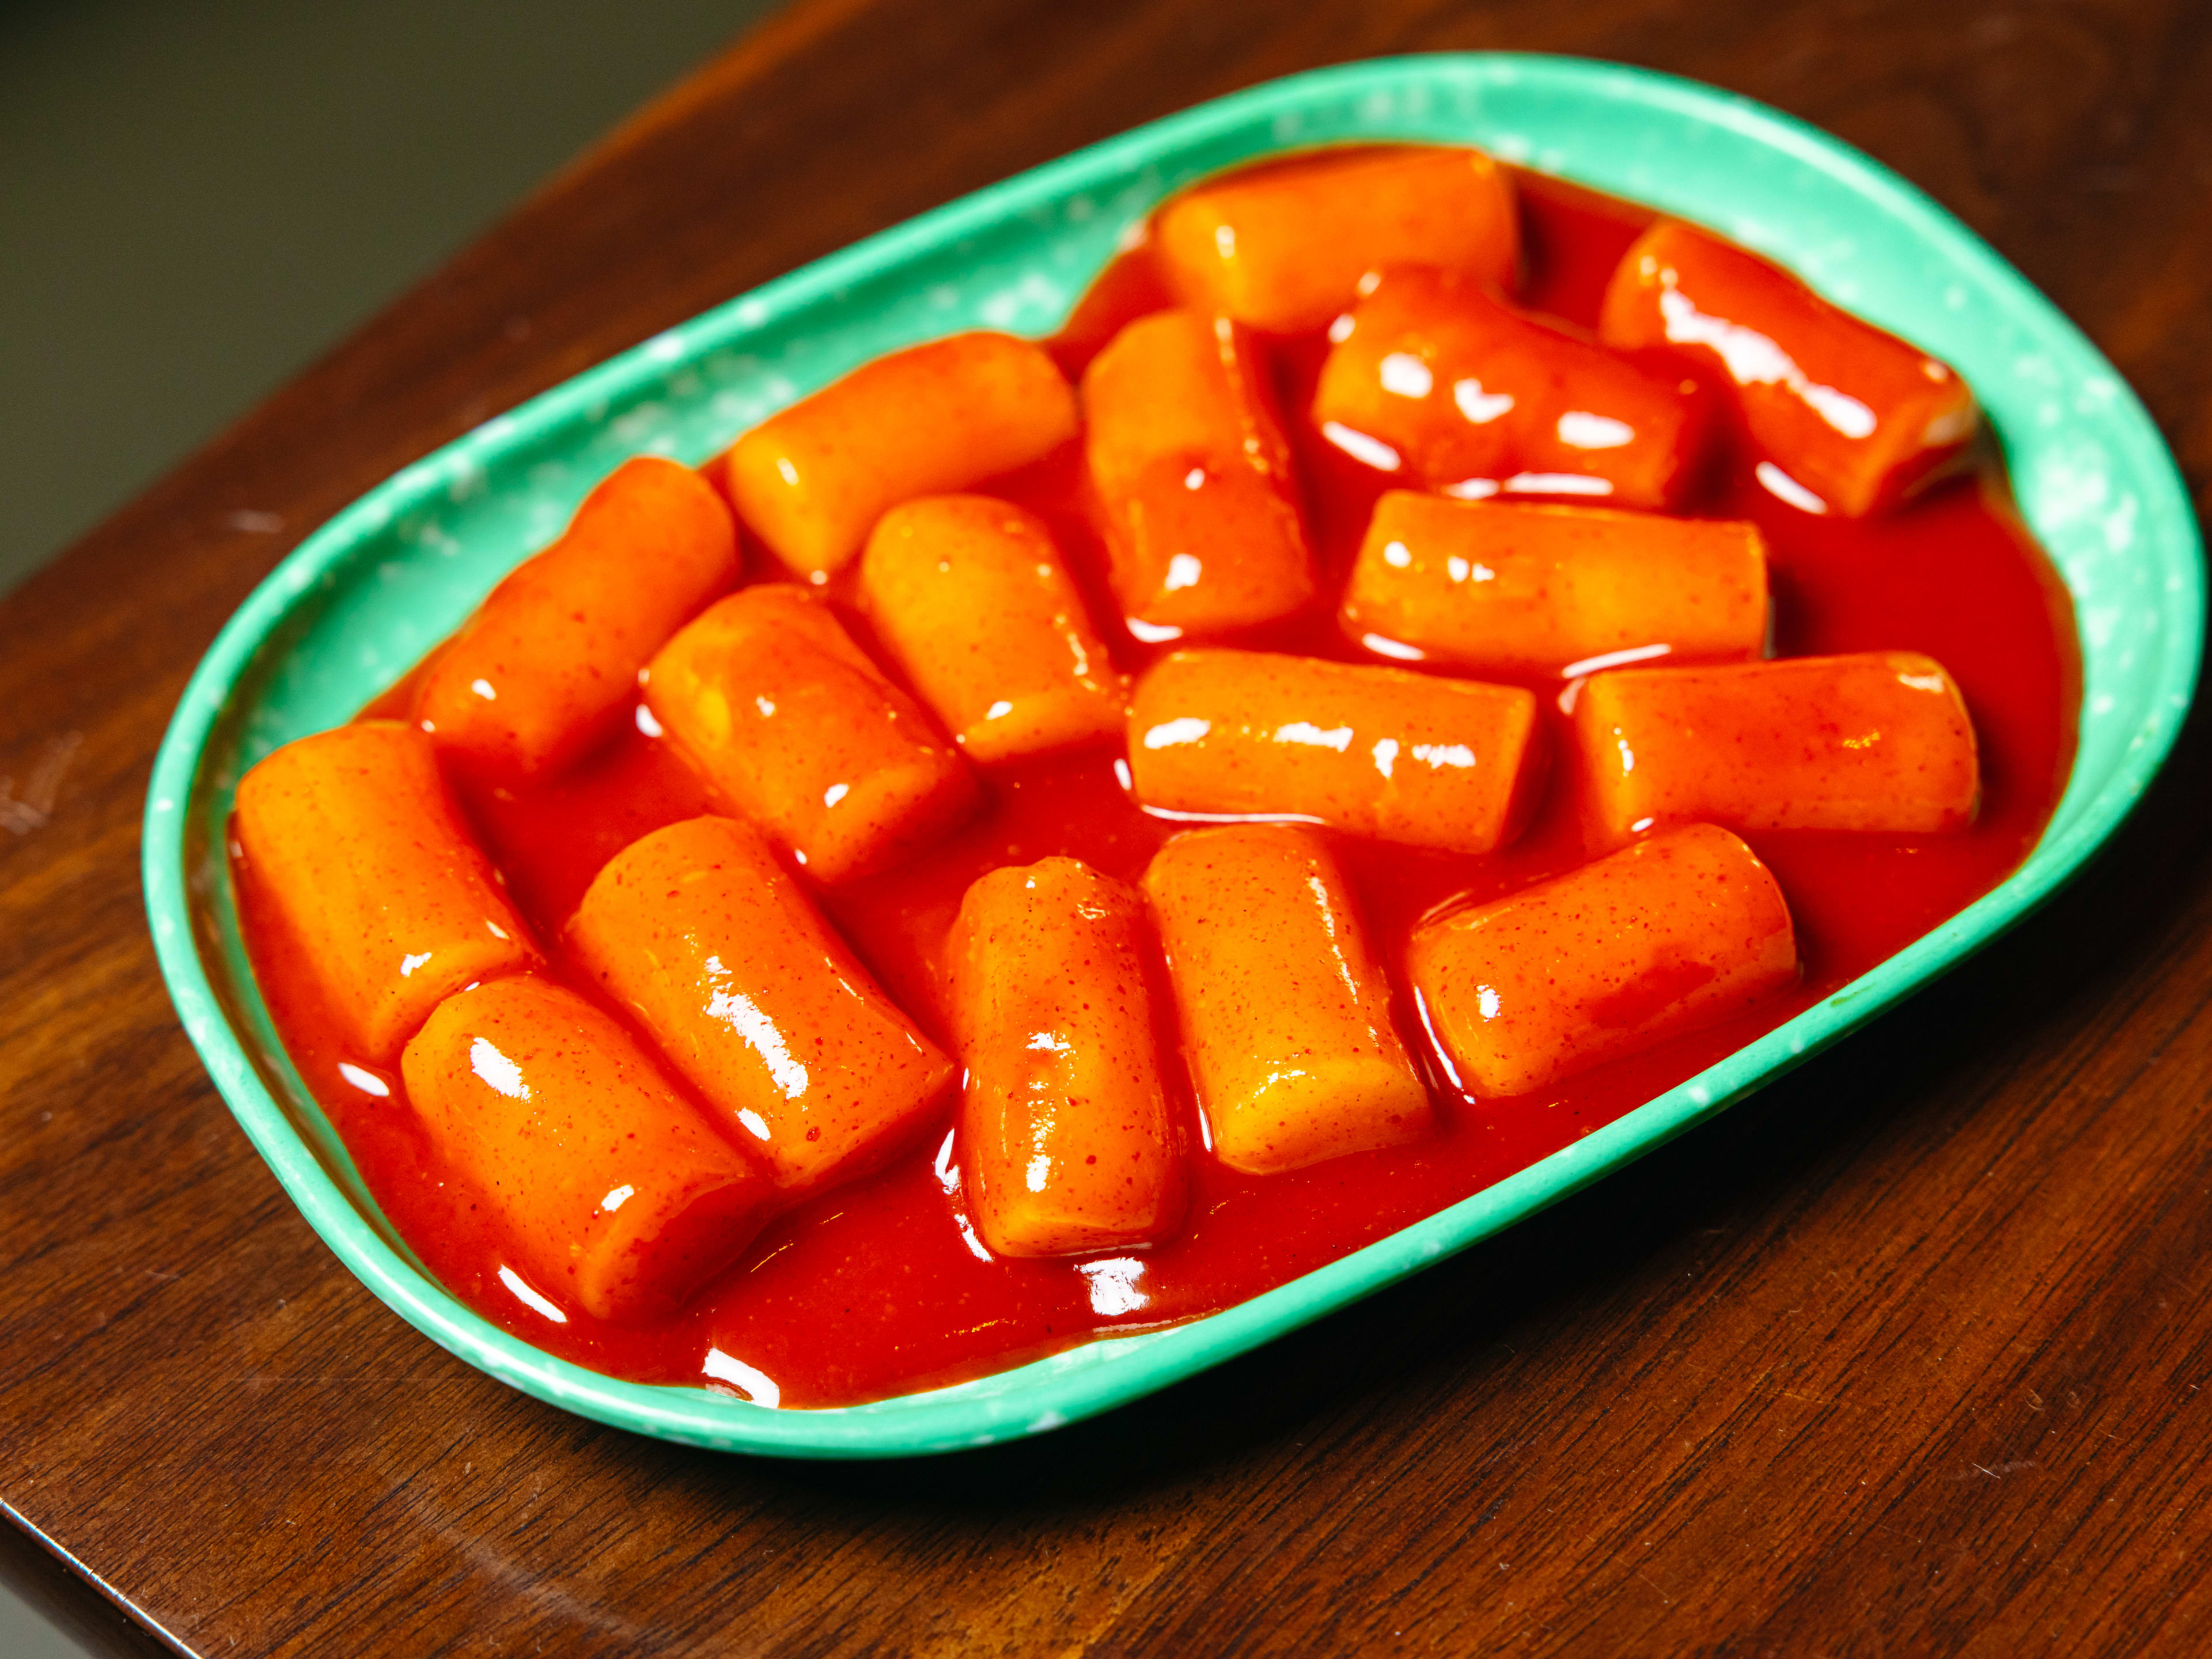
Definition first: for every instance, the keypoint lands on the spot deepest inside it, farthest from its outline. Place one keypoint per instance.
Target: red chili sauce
(878, 1287)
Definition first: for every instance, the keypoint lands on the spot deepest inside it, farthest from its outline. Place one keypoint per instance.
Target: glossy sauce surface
(880, 1287)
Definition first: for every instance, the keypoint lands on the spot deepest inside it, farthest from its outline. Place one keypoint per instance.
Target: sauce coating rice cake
(1285, 1010)
(812, 480)
(1877, 741)
(1853, 416)
(1372, 751)
(616, 1192)
(549, 663)
(1677, 932)
(1284, 247)
(1518, 588)
(770, 700)
(974, 597)
(1066, 1143)
(355, 837)
(758, 1003)
(1437, 383)
(1193, 480)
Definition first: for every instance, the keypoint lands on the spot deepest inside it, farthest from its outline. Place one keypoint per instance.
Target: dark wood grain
(1911, 1354)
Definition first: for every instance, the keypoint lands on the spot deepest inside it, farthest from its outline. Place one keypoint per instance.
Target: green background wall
(197, 200)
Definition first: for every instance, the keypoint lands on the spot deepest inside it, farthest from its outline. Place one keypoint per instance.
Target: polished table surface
(1910, 1354)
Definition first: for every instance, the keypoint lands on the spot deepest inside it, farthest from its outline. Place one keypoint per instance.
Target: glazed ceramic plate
(365, 595)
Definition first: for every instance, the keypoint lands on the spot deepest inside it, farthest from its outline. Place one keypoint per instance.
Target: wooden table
(1912, 1354)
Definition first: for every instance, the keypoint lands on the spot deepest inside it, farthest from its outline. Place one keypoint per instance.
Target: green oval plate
(368, 593)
